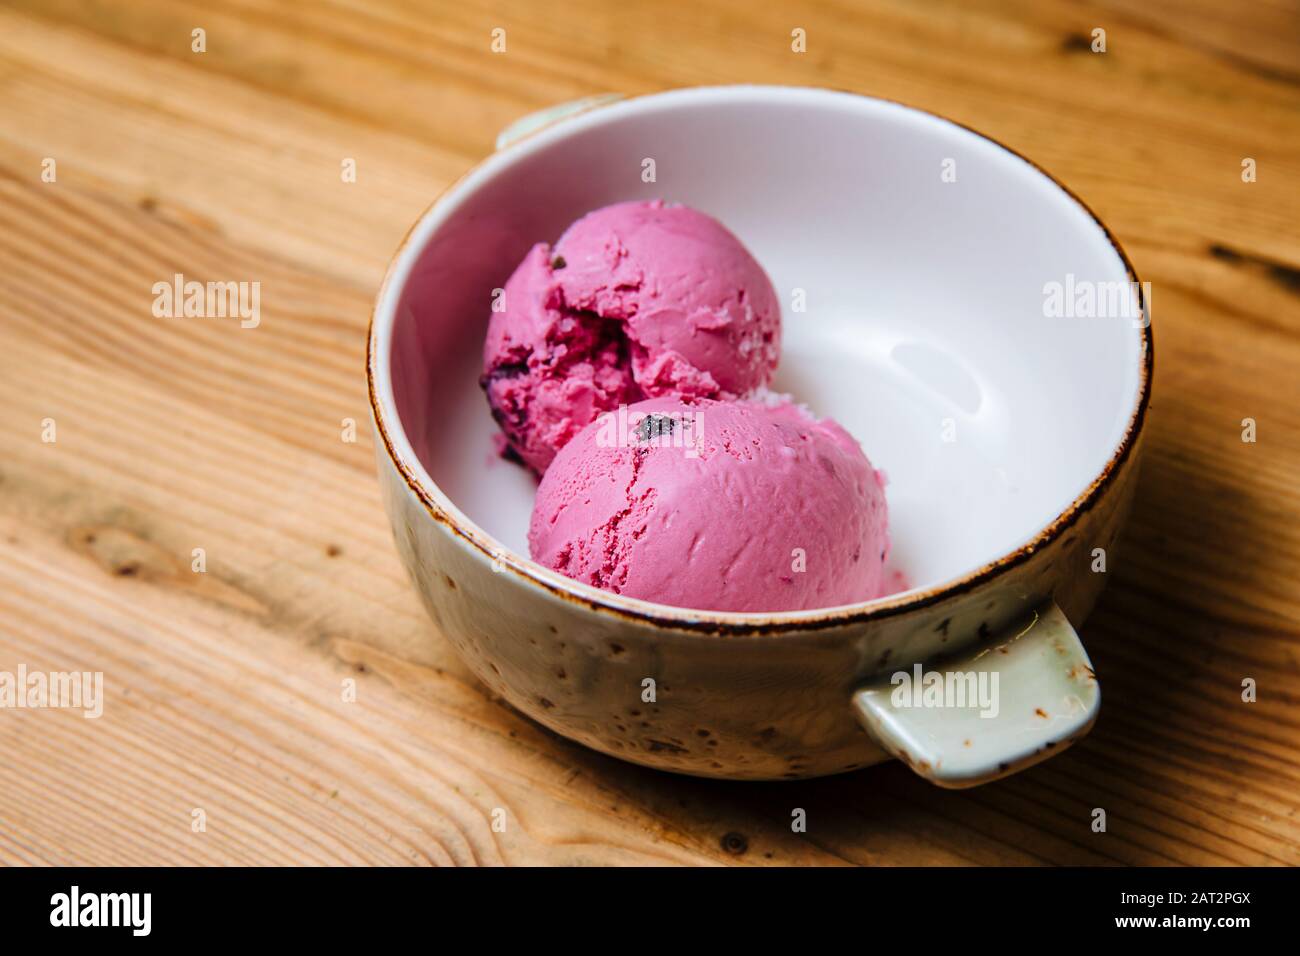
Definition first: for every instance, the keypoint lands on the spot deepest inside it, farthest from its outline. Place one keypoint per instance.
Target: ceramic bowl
(935, 288)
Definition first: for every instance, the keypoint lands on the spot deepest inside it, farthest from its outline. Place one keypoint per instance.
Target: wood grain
(224, 688)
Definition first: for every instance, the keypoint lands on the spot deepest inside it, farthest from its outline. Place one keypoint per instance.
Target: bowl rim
(718, 623)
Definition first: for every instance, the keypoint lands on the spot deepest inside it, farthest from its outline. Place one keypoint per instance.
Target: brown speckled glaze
(778, 707)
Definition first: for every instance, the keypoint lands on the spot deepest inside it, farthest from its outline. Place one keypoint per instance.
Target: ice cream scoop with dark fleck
(735, 506)
(637, 300)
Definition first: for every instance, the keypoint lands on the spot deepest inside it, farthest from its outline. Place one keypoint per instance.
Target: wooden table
(223, 688)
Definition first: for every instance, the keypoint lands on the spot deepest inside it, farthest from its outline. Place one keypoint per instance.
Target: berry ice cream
(729, 506)
(637, 300)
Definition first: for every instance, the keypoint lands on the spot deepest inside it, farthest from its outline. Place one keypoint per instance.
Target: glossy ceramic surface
(913, 258)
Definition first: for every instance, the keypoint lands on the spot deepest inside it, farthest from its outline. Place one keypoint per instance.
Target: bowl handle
(1029, 692)
(551, 114)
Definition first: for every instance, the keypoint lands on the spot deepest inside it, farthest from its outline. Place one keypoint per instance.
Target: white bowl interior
(924, 331)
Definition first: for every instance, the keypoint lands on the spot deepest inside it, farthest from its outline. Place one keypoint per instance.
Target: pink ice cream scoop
(637, 300)
(729, 506)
